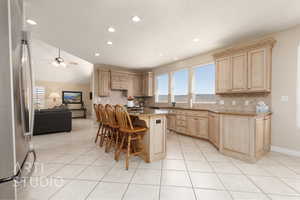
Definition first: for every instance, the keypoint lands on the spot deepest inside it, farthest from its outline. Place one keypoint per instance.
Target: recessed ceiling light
(109, 42)
(97, 54)
(175, 58)
(136, 19)
(161, 54)
(196, 39)
(31, 22)
(111, 29)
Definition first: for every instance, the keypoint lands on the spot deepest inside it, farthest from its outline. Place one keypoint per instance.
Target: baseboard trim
(285, 151)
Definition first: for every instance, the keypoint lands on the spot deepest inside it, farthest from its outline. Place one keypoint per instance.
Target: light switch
(284, 98)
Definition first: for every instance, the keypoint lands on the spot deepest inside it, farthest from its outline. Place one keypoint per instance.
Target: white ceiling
(167, 26)
(42, 56)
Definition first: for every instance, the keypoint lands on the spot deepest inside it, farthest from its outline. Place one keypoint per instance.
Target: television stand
(78, 113)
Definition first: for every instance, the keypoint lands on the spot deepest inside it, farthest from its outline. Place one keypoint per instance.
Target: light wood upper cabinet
(239, 72)
(135, 85)
(147, 80)
(244, 69)
(103, 83)
(119, 80)
(223, 75)
(213, 129)
(259, 69)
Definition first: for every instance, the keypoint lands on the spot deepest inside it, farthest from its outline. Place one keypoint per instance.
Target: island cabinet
(244, 69)
(245, 137)
(213, 129)
(103, 83)
(171, 122)
(155, 137)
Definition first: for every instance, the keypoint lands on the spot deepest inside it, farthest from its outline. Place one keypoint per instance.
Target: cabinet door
(258, 70)
(134, 85)
(223, 75)
(171, 124)
(239, 72)
(237, 134)
(119, 80)
(103, 83)
(213, 129)
(267, 133)
(148, 84)
(197, 126)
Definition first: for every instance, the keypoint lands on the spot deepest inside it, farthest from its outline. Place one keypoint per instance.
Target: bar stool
(98, 117)
(113, 132)
(132, 137)
(105, 124)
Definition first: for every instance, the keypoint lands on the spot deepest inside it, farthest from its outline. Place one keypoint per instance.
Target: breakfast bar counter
(155, 138)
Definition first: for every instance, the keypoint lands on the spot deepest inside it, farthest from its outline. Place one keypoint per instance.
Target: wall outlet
(284, 98)
(233, 103)
(221, 102)
(246, 103)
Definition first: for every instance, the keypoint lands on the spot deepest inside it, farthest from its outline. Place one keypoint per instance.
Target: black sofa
(52, 121)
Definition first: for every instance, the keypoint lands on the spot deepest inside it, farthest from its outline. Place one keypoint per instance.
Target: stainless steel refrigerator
(16, 102)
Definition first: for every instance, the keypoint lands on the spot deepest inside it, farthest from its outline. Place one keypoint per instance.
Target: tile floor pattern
(193, 170)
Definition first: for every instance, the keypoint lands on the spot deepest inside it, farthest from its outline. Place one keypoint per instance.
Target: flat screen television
(72, 97)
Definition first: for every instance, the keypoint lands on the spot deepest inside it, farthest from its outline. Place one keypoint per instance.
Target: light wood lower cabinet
(155, 138)
(171, 122)
(213, 129)
(197, 126)
(245, 137)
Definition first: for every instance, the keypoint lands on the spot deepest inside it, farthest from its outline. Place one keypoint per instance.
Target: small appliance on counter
(261, 107)
(130, 102)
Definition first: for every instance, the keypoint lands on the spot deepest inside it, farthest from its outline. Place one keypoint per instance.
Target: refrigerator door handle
(26, 90)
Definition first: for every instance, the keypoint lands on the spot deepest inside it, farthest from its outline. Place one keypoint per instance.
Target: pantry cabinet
(245, 69)
(103, 83)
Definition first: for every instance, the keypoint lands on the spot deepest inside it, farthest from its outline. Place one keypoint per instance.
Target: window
(204, 83)
(39, 97)
(180, 86)
(162, 89)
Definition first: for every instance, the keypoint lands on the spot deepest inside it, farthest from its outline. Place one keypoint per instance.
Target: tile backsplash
(239, 102)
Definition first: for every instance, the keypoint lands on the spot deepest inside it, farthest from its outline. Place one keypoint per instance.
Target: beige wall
(285, 132)
(58, 87)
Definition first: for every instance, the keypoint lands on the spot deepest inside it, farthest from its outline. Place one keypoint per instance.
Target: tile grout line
(188, 172)
(71, 180)
(123, 196)
(226, 189)
(263, 192)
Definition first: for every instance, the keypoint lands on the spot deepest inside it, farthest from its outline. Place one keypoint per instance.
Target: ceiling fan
(60, 62)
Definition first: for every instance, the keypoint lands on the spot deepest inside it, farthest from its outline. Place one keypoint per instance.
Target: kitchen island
(155, 137)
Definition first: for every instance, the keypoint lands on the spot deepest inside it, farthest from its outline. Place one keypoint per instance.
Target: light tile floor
(71, 166)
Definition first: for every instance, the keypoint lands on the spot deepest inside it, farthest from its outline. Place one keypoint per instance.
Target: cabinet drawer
(180, 123)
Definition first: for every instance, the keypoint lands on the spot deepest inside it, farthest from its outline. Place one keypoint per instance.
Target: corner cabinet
(103, 83)
(245, 137)
(245, 69)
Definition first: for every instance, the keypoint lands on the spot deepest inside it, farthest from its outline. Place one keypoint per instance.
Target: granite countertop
(149, 112)
(220, 111)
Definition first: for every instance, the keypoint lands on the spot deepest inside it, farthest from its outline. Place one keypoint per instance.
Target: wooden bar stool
(105, 124)
(99, 121)
(113, 132)
(132, 137)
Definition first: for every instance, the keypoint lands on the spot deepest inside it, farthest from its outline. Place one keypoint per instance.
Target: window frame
(188, 85)
(193, 83)
(156, 87)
